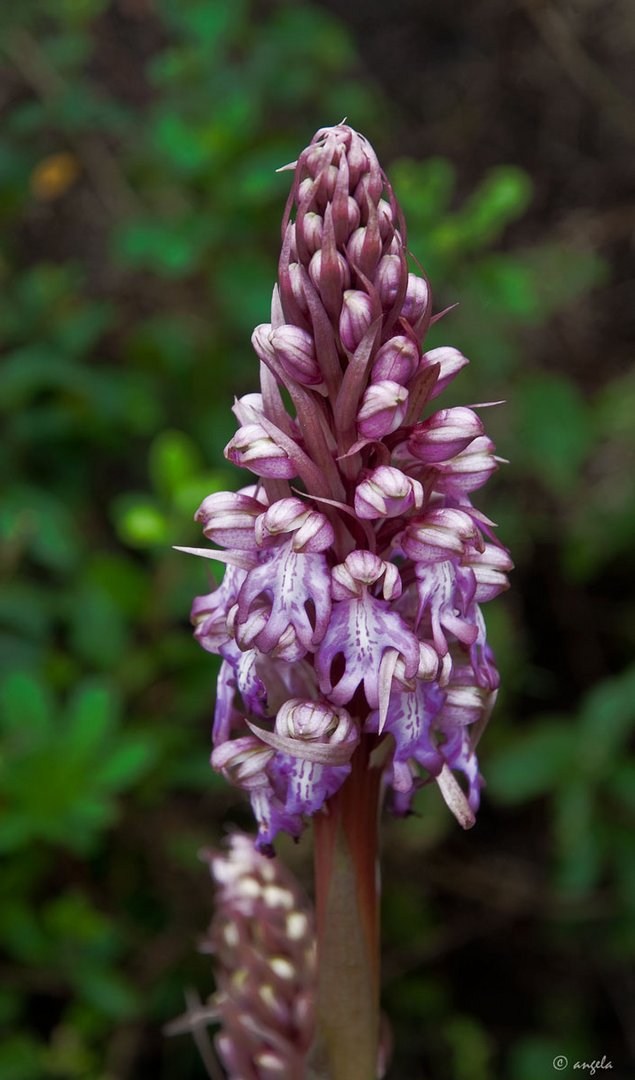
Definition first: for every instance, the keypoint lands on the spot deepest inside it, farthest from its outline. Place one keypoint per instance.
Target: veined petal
(359, 633)
(296, 588)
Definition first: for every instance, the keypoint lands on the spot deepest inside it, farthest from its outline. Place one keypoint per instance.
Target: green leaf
(607, 719)
(502, 197)
(555, 429)
(173, 459)
(578, 839)
(533, 764)
(140, 523)
(26, 707)
(126, 763)
(91, 715)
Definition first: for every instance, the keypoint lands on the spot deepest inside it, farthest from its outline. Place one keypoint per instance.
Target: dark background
(140, 212)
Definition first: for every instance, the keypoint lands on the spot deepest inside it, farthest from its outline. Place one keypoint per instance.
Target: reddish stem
(346, 884)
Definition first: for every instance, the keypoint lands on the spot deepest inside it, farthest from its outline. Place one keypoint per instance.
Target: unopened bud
(383, 409)
(228, 518)
(295, 349)
(444, 434)
(389, 278)
(385, 219)
(253, 448)
(441, 534)
(416, 300)
(336, 269)
(464, 704)
(312, 226)
(387, 492)
(261, 341)
(312, 532)
(242, 761)
(248, 409)
(450, 362)
(490, 568)
(297, 286)
(359, 571)
(397, 361)
(316, 721)
(355, 318)
(364, 249)
(352, 214)
(370, 188)
(469, 469)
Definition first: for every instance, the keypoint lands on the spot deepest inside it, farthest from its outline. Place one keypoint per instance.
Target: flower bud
(364, 249)
(262, 940)
(359, 571)
(243, 761)
(319, 158)
(388, 279)
(338, 270)
(315, 721)
(248, 409)
(387, 492)
(355, 318)
(305, 190)
(295, 349)
(361, 159)
(396, 245)
(383, 409)
(417, 299)
(210, 624)
(297, 286)
(469, 469)
(490, 568)
(311, 530)
(312, 226)
(252, 448)
(464, 704)
(352, 215)
(324, 185)
(369, 188)
(444, 434)
(261, 341)
(396, 361)
(228, 518)
(385, 219)
(450, 362)
(441, 534)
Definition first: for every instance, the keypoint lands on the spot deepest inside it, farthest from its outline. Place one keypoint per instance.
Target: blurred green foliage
(140, 208)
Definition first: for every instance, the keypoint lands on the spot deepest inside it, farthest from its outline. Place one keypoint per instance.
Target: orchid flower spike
(356, 562)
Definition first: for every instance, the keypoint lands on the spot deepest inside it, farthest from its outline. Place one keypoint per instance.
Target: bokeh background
(139, 209)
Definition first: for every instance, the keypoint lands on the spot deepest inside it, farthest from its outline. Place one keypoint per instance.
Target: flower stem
(346, 885)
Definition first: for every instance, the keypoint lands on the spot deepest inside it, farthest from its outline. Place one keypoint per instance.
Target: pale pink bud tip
(417, 300)
(396, 361)
(355, 318)
(450, 362)
(387, 492)
(383, 409)
(295, 349)
(254, 449)
(444, 434)
(359, 571)
(311, 530)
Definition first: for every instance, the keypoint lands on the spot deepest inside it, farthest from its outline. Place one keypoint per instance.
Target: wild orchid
(354, 651)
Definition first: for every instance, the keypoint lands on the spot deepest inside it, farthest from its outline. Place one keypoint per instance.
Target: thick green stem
(347, 886)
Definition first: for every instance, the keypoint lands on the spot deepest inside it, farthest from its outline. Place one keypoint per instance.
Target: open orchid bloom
(356, 562)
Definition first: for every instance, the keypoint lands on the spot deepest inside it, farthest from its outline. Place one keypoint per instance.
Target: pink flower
(357, 563)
